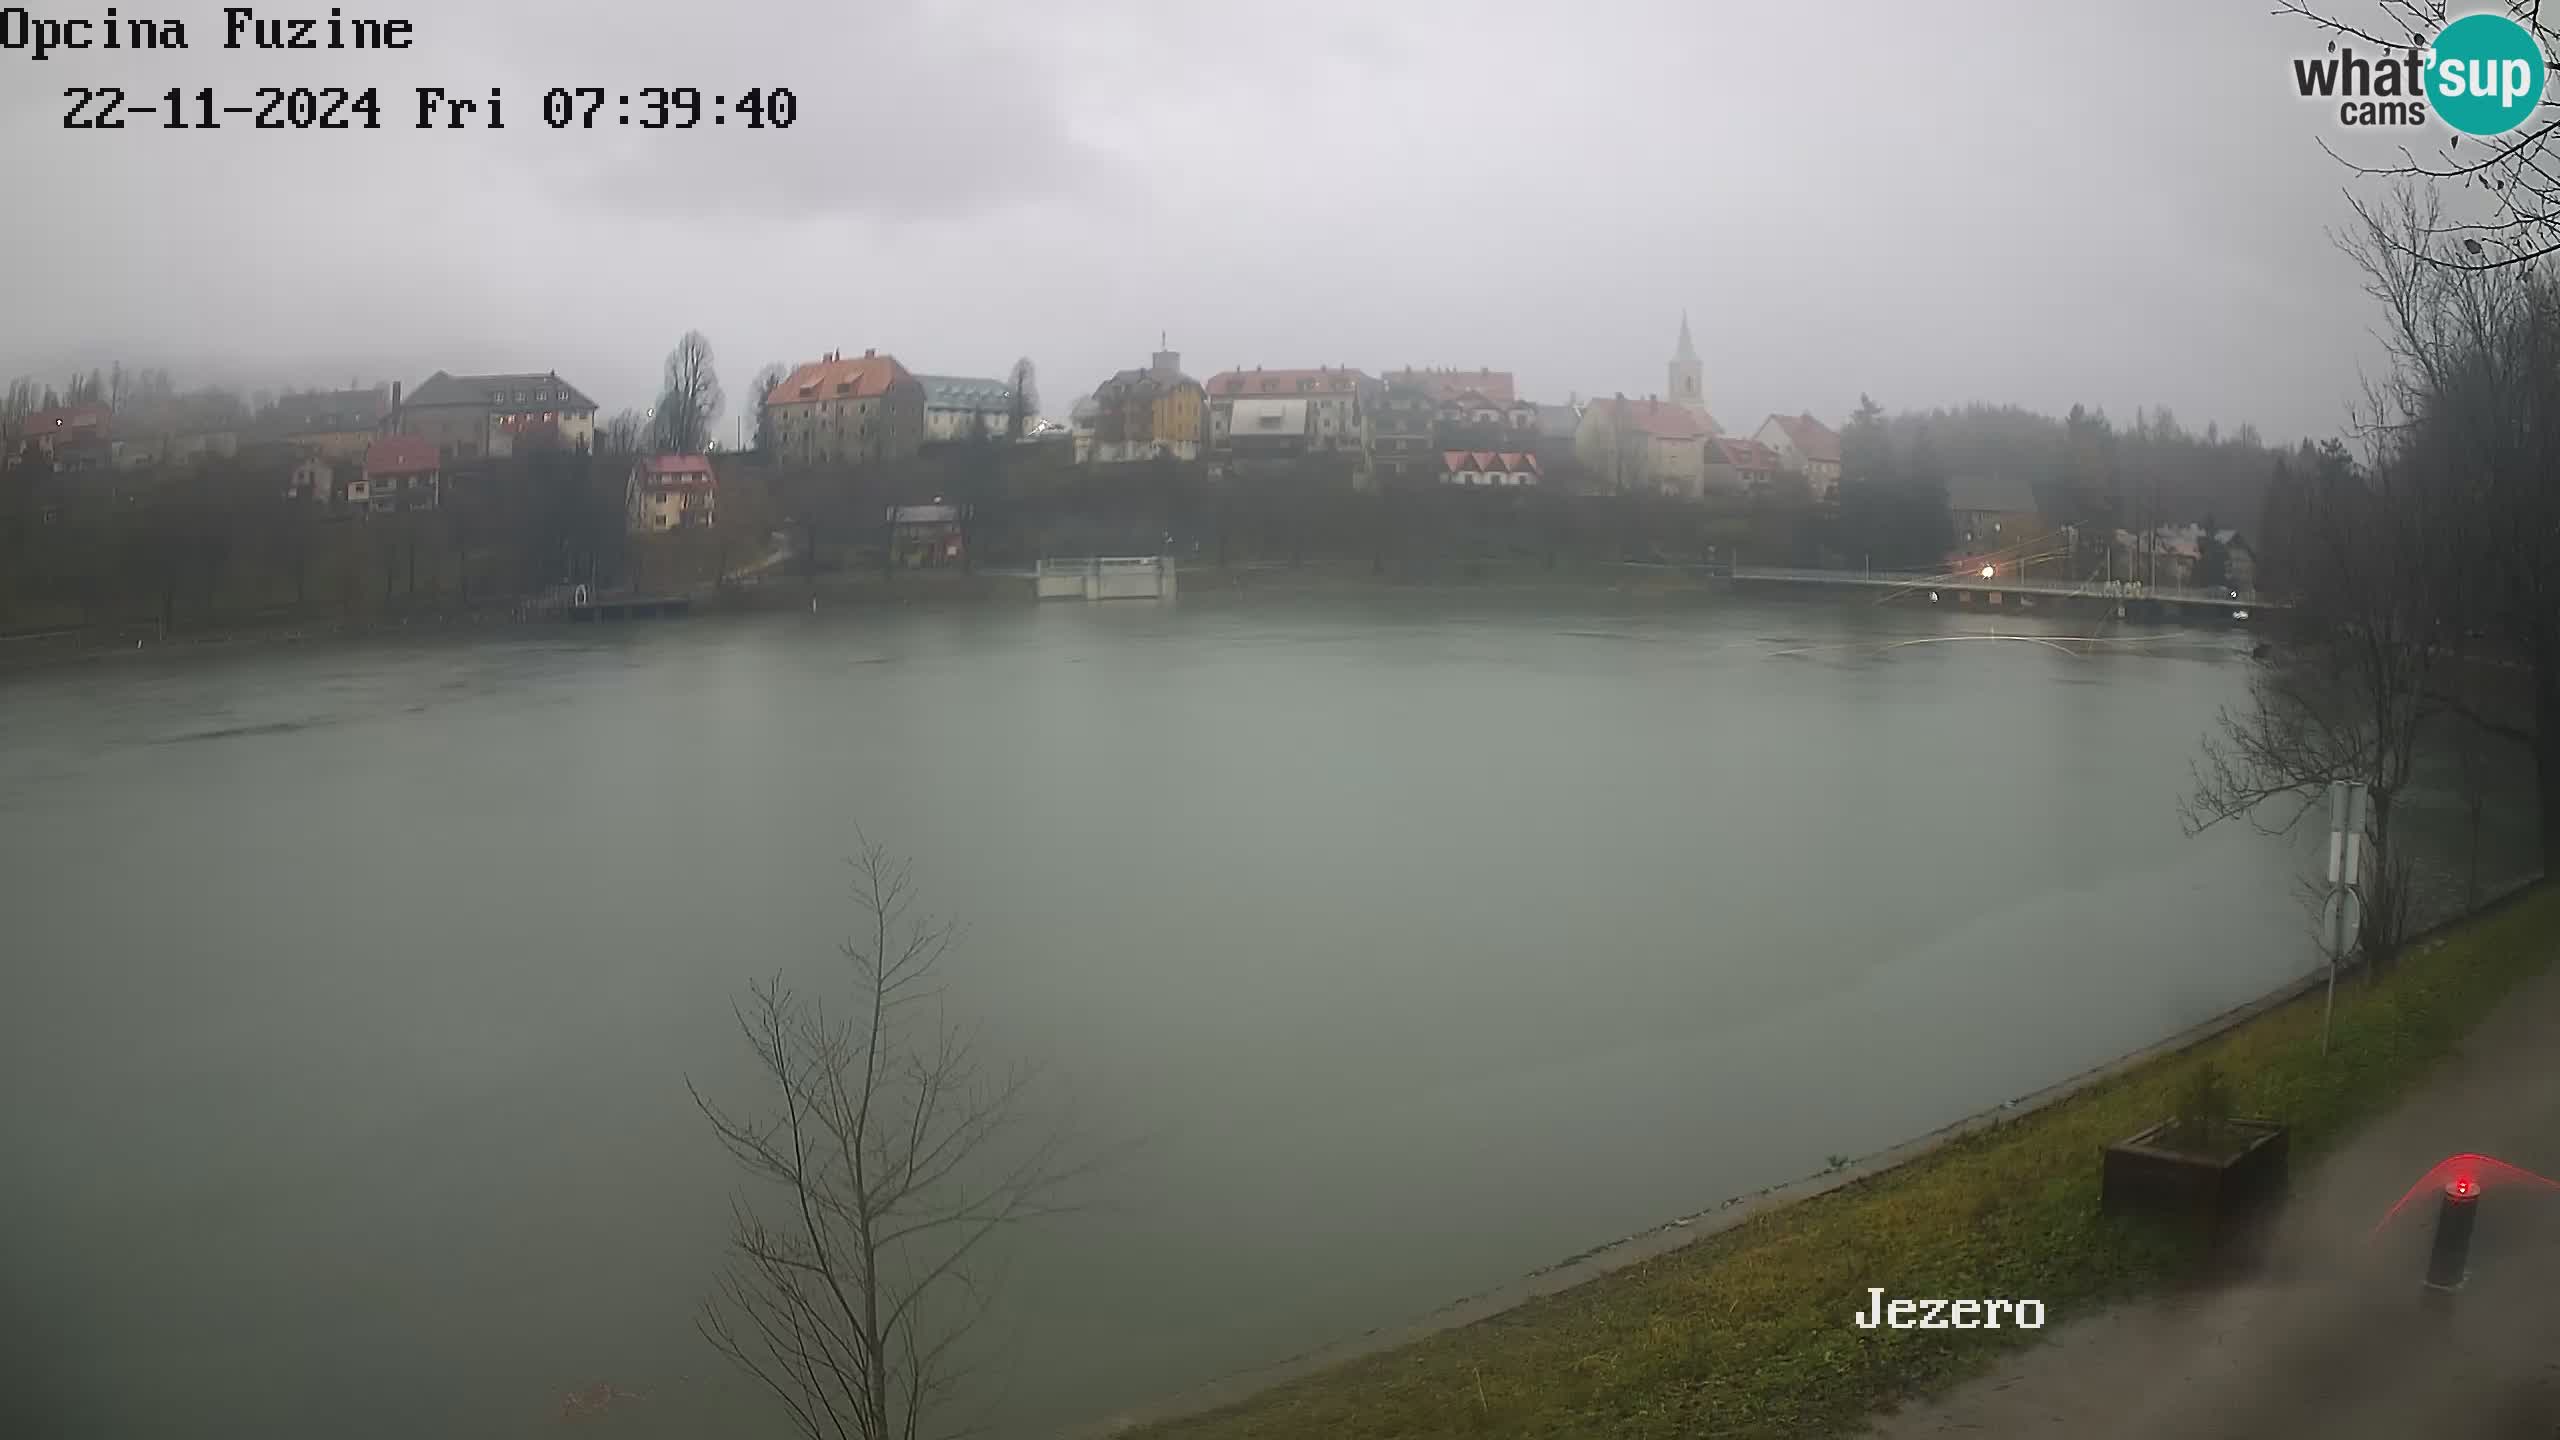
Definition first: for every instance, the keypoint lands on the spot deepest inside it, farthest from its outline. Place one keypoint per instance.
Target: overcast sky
(2012, 200)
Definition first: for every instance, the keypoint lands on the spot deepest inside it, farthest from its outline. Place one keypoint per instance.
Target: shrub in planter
(2203, 1165)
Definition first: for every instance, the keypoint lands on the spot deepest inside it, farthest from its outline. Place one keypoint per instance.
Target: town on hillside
(125, 494)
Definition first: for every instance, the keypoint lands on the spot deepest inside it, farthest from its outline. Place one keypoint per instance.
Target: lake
(1398, 944)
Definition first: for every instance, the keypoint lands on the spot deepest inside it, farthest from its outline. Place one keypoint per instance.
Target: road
(2331, 1338)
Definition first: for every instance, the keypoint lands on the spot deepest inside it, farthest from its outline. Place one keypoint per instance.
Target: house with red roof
(1807, 446)
(401, 472)
(1651, 446)
(844, 410)
(1736, 464)
(69, 437)
(1488, 467)
(670, 492)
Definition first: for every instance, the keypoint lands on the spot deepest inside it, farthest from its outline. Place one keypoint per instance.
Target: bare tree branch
(897, 1162)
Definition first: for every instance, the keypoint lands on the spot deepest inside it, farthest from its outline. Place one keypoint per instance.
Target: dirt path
(2331, 1338)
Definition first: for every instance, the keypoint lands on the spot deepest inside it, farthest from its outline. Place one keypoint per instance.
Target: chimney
(395, 407)
(870, 354)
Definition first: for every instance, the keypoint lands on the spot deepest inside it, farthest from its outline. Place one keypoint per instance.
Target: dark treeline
(2430, 549)
(212, 540)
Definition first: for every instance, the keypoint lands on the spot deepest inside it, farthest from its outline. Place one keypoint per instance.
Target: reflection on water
(1413, 942)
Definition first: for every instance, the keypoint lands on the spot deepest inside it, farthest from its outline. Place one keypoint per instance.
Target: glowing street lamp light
(1986, 572)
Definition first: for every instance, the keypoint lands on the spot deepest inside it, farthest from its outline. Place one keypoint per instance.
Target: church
(1657, 445)
(1688, 388)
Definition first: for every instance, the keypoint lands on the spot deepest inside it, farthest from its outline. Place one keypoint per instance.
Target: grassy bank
(1747, 1332)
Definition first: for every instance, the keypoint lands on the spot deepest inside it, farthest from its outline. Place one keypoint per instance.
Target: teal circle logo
(2484, 76)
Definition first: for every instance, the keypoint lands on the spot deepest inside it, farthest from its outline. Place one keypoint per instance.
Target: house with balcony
(1321, 410)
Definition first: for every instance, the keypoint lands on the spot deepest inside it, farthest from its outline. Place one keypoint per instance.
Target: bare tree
(689, 402)
(2476, 365)
(2348, 703)
(766, 379)
(1023, 401)
(626, 432)
(889, 1159)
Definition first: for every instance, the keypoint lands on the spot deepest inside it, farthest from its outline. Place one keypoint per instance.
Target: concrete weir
(1139, 577)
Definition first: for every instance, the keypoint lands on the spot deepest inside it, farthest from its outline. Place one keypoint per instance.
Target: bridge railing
(1944, 580)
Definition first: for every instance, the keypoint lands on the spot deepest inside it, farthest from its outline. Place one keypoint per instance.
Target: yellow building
(1143, 414)
(670, 492)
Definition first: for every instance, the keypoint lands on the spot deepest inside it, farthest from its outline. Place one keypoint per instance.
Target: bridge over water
(2125, 598)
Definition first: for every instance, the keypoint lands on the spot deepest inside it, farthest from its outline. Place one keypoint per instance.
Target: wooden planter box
(2142, 1177)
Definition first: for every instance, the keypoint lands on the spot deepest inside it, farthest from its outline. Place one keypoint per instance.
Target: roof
(1558, 421)
(1488, 460)
(861, 377)
(1688, 352)
(1813, 440)
(1284, 382)
(400, 455)
(1444, 384)
(965, 392)
(675, 466)
(1660, 419)
(1991, 494)
(923, 514)
(1085, 409)
(498, 392)
(323, 410)
(1142, 375)
(1743, 454)
(66, 417)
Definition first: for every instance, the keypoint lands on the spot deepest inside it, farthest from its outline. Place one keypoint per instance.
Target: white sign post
(2342, 917)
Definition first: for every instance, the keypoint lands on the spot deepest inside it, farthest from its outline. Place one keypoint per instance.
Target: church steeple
(1688, 375)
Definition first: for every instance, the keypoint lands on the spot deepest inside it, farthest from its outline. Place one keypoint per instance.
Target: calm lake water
(1412, 942)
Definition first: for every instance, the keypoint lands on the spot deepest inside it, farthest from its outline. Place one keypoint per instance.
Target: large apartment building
(488, 417)
(839, 410)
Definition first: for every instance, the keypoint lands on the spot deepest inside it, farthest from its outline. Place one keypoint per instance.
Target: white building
(312, 480)
(1488, 467)
(964, 407)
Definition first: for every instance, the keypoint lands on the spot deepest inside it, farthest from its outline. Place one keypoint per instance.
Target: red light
(2463, 1178)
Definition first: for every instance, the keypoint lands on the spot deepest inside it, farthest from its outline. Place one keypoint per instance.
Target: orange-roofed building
(401, 472)
(72, 437)
(1736, 464)
(1488, 467)
(670, 492)
(1804, 444)
(844, 410)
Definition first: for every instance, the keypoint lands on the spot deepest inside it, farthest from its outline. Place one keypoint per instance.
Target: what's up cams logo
(2483, 75)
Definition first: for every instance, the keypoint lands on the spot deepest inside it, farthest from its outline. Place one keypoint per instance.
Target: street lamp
(1986, 572)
